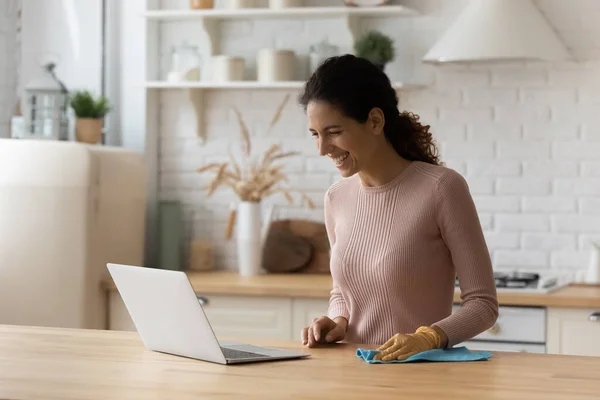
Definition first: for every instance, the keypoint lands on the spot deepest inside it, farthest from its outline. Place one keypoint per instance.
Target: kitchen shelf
(197, 89)
(208, 21)
(303, 12)
(251, 85)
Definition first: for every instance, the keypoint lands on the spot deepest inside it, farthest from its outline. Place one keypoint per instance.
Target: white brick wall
(525, 136)
(9, 62)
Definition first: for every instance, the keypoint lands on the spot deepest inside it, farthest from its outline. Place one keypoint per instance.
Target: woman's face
(350, 145)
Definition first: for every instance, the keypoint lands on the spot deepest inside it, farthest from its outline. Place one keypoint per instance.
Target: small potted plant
(90, 114)
(375, 47)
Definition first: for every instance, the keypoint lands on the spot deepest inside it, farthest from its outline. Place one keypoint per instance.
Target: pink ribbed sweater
(395, 252)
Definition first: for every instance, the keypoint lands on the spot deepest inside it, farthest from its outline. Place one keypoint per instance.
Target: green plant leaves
(86, 106)
(375, 47)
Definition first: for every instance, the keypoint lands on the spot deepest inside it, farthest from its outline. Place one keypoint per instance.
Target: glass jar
(185, 63)
(321, 51)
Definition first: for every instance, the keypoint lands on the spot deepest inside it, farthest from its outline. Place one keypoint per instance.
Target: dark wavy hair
(355, 86)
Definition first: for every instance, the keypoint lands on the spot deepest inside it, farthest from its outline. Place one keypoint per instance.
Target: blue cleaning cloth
(437, 355)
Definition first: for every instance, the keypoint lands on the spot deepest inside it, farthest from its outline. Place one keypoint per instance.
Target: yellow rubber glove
(400, 347)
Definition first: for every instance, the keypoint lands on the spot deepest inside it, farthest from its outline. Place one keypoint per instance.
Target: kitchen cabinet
(573, 331)
(247, 316)
(304, 311)
(516, 325)
(233, 316)
(241, 316)
(500, 346)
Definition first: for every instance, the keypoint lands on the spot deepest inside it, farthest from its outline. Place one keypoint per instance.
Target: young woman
(401, 225)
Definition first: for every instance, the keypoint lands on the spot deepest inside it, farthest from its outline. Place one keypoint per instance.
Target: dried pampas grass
(253, 181)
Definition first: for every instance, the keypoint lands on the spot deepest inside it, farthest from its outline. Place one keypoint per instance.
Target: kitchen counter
(46, 363)
(317, 286)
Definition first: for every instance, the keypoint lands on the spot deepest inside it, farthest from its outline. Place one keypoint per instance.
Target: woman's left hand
(401, 347)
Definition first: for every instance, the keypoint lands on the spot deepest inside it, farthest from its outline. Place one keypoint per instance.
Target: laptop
(170, 319)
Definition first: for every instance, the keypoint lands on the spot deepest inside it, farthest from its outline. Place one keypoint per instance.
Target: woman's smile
(339, 159)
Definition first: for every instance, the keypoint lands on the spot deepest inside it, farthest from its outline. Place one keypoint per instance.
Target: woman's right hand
(324, 330)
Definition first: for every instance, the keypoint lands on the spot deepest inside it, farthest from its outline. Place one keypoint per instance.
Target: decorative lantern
(46, 105)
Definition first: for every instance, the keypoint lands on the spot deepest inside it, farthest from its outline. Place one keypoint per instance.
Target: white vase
(248, 238)
(593, 273)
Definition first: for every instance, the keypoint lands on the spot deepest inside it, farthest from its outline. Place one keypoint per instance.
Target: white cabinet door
(574, 331)
(304, 311)
(500, 346)
(517, 324)
(249, 316)
(230, 316)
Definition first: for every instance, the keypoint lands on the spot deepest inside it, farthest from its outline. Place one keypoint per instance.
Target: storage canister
(275, 65)
(276, 4)
(227, 68)
(235, 4)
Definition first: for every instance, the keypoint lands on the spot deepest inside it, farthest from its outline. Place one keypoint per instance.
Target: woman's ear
(376, 120)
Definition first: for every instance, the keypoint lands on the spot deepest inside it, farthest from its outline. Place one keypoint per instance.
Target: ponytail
(411, 139)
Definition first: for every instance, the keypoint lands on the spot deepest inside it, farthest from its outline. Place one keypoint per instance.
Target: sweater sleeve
(337, 304)
(461, 231)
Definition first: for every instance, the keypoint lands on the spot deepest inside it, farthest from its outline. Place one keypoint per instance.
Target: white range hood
(498, 30)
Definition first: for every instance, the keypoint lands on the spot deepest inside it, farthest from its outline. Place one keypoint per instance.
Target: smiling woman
(401, 226)
(346, 98)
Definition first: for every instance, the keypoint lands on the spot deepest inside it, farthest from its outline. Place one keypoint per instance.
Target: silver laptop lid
(166, 312)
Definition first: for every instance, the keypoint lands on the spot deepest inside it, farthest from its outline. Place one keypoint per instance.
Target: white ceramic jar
(275, 65)
(284, 3)
(226, 68)
(235, 4)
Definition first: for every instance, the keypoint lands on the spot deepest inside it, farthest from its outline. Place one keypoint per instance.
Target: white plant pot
(593, 273)
(248, 238)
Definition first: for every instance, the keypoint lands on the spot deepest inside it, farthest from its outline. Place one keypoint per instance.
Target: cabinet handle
(595, 316)
(202, 300)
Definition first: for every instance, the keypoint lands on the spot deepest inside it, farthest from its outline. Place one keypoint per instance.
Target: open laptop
(170, 319)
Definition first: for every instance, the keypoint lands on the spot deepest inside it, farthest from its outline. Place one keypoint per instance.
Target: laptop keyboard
(232, 354)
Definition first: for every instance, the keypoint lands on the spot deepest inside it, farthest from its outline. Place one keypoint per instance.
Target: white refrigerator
(66, 209)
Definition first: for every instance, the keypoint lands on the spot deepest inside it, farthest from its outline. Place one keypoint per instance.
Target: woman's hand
(401, 347)
(324, 330)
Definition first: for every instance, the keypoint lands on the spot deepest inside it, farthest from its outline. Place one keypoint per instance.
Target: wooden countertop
(54, 363)
(317, 286)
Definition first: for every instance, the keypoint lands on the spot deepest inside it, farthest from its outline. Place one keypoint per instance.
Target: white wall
(9, 62)
(525, 136)
(70, 30)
